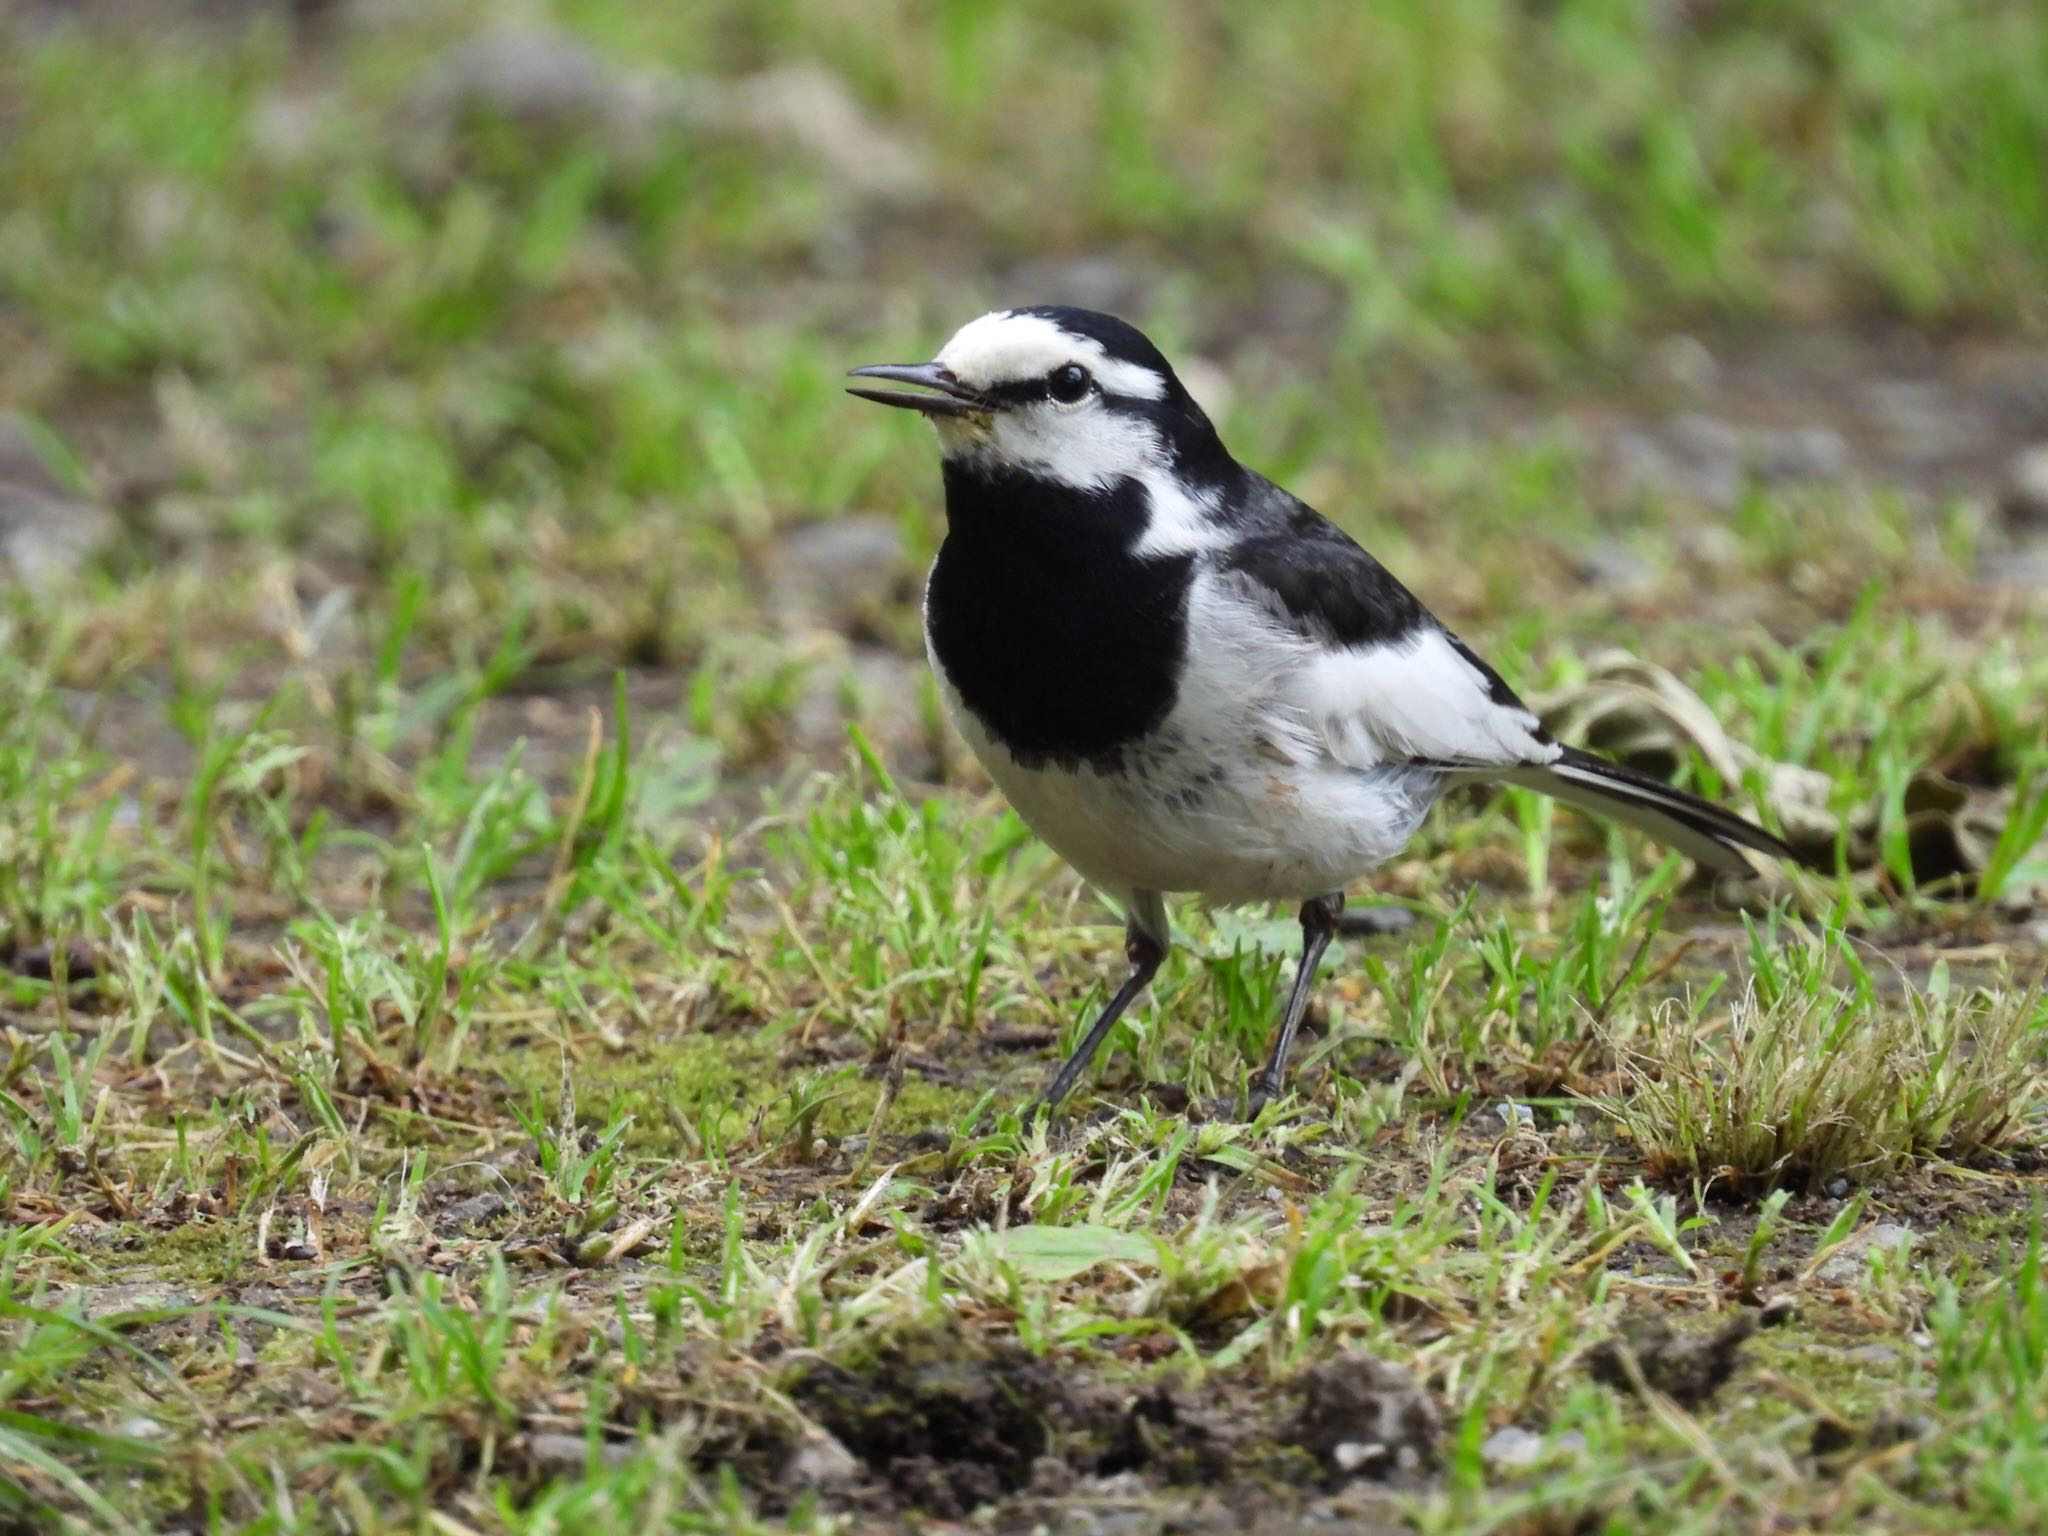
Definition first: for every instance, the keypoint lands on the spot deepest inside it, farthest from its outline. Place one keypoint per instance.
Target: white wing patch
(1416, 699)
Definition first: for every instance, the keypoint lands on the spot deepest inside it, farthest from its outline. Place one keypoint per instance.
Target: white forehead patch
(1007, 347)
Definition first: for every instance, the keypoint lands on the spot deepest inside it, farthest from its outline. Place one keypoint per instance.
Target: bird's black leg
(1145, 953)
(1318, 922)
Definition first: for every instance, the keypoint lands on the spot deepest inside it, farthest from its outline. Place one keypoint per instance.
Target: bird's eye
(1067, 384)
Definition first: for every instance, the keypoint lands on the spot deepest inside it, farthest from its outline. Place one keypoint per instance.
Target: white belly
(1223, 819)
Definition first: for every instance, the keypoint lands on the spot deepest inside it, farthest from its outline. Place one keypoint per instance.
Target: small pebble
(1847, 1264)
(1803, 453)
(1684, 362)
(1353, 1454)
(2025, 499)
(821, 1460)
(1779, 1310)
(1512, 1446)
(551, 1451)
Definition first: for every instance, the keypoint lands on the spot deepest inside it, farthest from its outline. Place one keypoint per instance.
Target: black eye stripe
(1020, 391)
(1031, 391)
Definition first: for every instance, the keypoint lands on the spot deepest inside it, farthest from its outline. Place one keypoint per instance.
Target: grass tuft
(1802, 1079)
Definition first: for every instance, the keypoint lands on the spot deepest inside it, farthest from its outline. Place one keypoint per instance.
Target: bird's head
(1064, 394)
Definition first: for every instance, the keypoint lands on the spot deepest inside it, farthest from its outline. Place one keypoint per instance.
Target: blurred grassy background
(551, 305)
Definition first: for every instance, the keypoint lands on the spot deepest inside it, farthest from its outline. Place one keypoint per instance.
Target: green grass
(502, 1030)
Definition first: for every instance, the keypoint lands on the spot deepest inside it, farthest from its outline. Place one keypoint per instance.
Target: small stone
(878, 688)
(77, 961)
(2025, 497)
(820, 1461)
(1921, 422)
(140, 1427)
(842, 563)
(1612, 565)
(1705, 439)
(1779, 1310)
(1710, 460)
(1710, 546)
(556, 1452)
(1512, 1446)
(1803, 453)
(1051, 1478)
(560, 1454)
(534, 73)
(159, 210)
(1094, 281)
(1840, 1269)
(101, 1302)
(806, 108)
(1637, 458)
(285, 125)
(1848, 1263)
(45, 531)
(1839, 1188)
(482, 1206)
(2026, 566)
(1360, 1414)
(1352, 1454)
(1688, 1367)
(1683, 362)
(1116, 1487)
(1889, 1428)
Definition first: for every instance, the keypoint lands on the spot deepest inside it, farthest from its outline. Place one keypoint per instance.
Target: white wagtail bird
(1186, 680)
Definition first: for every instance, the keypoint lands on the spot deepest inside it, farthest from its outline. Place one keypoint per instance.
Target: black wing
(1397, 685)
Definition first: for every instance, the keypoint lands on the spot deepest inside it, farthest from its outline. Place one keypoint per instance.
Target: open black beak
(953, 397)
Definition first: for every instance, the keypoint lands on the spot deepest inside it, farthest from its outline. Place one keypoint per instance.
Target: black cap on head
(1119, 338)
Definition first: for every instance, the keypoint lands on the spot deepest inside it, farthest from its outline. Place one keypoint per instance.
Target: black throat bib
(1065, 644)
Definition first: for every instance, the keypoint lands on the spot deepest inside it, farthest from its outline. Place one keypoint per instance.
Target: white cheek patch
(1006, 346)
(1085, 446)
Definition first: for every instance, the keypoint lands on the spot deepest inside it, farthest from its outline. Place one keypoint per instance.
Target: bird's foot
(1261, 1092)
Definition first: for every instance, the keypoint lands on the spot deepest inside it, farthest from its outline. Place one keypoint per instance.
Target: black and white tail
(1696, 827)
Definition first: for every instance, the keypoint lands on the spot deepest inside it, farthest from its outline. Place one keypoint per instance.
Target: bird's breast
(1060, 667)
(1066, 646)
